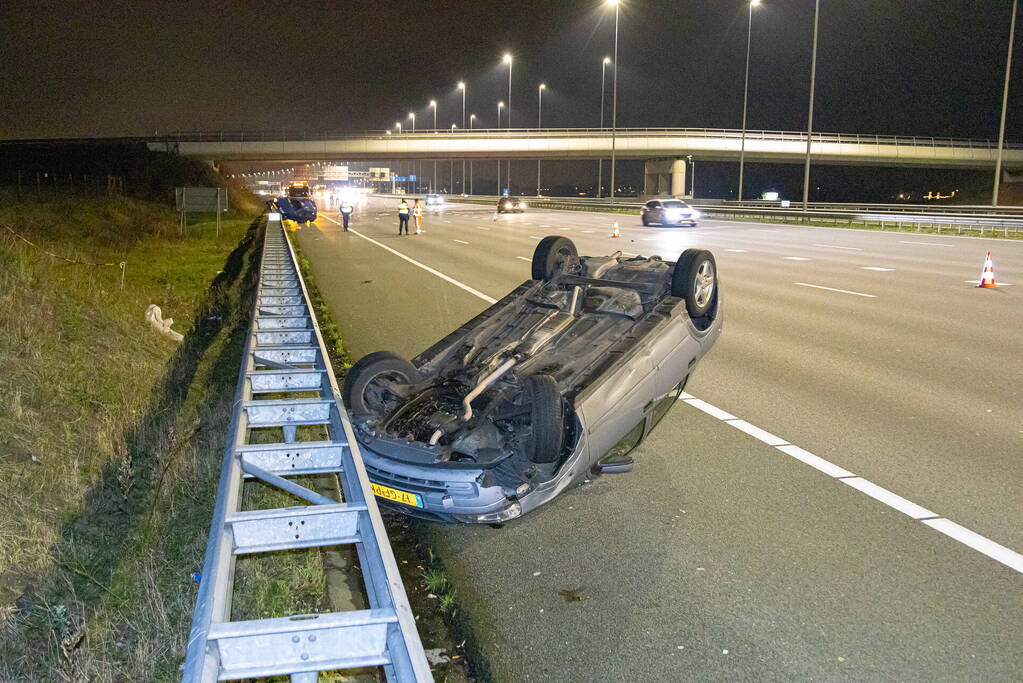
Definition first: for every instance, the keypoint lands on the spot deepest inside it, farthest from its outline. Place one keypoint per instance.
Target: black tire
(547, 418)
(379, 364)
(551, 255)
(695, 280)
(646, 221)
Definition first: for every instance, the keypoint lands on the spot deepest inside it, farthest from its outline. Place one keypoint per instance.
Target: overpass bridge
(592, 143)
(663, 149)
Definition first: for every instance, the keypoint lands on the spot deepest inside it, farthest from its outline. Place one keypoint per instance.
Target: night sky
(133, 68)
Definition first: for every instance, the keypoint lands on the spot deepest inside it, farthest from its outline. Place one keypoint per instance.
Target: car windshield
(675, 204)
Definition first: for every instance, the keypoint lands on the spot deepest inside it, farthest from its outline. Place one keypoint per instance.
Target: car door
(657, 213)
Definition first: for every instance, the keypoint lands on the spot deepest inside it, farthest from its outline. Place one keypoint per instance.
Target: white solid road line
(796, 258)
(1010, 558)
(981, 544)
(461, 241)
(524, 258)
(926, 244)
(425, 267)
(877, 268)
(832, 289)
(835, 246)
(997, 282)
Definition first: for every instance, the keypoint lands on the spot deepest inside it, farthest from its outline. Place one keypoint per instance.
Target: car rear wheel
(695, 280)
(546, 417)
(376, 378)
(551, 256)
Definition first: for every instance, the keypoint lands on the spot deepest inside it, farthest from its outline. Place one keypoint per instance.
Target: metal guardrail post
(284, 353)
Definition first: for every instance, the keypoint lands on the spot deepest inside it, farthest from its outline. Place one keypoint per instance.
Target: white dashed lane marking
(835, 246)
(480, 227)
(832, 289)
(981, 544)
(926, 244)
(461, 241)
(736, 251)
(524, 258)
(999, 553)
(877, 268)
(536, 237)
(796, 258)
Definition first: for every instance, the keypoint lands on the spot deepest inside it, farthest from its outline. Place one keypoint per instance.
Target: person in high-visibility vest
(403, 212)
(346, 212)
(417, 211)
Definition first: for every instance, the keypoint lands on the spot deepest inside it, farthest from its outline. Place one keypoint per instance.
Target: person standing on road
(346, 212)
(403, 212)
(417, 211)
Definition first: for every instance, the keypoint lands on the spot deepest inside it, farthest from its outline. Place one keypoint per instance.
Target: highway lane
(792, 572)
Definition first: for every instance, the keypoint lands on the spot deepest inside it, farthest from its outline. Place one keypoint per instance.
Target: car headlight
(696, 215)
(511, 512)
(522, 205)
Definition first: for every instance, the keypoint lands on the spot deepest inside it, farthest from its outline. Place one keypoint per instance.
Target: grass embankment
(111, 434)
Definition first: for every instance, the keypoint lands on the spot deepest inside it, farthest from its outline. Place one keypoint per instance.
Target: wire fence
(32, 184)
(74, 261)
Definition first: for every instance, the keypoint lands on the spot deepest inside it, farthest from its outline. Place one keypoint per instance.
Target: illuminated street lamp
(745, 93)
(508, 61)
(472, 117)
(500, 106)
(539, 115)
(461, 86)
(614, 100)
(600, 162)
(1005, 100)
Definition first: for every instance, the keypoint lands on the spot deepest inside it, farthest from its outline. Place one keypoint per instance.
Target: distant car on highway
(558, 380)
(434, 202)
(511, 205)
(669, 212)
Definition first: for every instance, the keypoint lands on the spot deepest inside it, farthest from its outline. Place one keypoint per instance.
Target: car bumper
(444, 494)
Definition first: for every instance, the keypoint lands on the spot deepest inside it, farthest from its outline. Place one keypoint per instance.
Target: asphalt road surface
(857, 512)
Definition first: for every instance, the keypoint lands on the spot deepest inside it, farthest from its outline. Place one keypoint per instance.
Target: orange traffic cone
(614, 230)
(494, 219)
(987, 277)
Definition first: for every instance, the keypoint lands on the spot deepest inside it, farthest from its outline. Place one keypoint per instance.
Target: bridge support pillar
(664, 177)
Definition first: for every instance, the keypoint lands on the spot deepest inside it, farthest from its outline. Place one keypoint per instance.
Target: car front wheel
(377, 380)
(551, 256)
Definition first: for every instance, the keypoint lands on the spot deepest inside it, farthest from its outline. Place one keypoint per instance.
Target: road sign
(200, 199)
(412, 178)
(398, 178)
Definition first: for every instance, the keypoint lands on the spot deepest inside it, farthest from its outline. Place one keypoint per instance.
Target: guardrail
(884, 216)
(285, 353)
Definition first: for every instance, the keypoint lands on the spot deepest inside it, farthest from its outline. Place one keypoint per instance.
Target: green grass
(111, 435)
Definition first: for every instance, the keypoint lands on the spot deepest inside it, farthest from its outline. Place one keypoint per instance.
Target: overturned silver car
(555, 382)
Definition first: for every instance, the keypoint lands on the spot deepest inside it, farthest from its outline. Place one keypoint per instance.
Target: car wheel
(551, 256)
(375, 375)
(546, 417)
(695, 280)
(645, 220)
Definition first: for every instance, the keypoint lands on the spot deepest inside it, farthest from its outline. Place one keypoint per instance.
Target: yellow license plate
(405, 497)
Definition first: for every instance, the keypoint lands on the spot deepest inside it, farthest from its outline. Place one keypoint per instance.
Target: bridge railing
(498, 133)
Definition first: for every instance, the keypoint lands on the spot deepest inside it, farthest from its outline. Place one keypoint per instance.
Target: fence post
(19, 184)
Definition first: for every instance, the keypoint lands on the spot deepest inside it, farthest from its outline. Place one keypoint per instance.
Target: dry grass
(110, 435)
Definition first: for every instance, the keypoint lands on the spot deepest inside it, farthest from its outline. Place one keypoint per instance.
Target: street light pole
(614, 101)
(452, 165)
(412, 164)
(600, 162)
(1005, 101)
(539, 118)
(472, 117)
(433, 180)
(809, 118)
(500, 106)
(745, 94)
(508, 58)
(461, 86)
